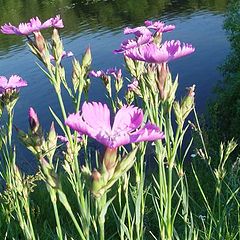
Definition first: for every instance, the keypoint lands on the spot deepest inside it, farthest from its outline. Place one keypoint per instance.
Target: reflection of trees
(225, 111)
(92, 14)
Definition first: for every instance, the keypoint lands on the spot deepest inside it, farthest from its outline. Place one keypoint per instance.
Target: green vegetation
(79, 193)
(224, 113)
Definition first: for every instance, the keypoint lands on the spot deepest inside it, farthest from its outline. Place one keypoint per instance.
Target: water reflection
(91, 16)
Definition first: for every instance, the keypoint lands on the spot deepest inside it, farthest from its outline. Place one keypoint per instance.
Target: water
(99, 24)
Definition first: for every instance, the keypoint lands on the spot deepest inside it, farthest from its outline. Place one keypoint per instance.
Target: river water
(100, 24)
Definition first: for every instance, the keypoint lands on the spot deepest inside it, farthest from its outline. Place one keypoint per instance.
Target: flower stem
(169, 205)
(54, 202)
(101, 219)
(10, 121)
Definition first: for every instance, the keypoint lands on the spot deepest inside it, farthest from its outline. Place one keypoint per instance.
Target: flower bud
(130, 65)
(129, 96)
(183, 109)
(97, 183)
(188, 102)
(133, 86)
(57, 45)
(55, 36)
(125, 164)
(119, 80)
(109, 163)
(33, 120)
(162, 75)
(51, 142)
(96, 175)
(76, 74)
(39, 41)
(87, 58)
(49, 173)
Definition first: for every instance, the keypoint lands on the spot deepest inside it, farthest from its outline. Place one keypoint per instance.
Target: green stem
(102, 234)
(10, 121)
(101, 220)
(69, 135)
(169, 206)
(30, 223)
(201, 136)
(54, 202)
(79, 99)
(54, 79)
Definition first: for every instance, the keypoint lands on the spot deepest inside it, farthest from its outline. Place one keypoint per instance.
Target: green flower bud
(188, 102)
(109, 163)
(130, 65)
(57, 45)
(87, 58)
(51, 142)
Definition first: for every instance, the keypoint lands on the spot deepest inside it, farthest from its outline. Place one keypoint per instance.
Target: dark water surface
(100, 24)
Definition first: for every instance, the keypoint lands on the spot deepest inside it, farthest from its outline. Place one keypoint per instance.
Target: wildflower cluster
(147, 47)
(124, 137)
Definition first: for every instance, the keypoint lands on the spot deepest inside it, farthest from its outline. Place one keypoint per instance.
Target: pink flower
(133, 43)
(116, 73)
(14, 83)
(133, 85)
(65, 54)
(97, 74)
(33, 120)
(159, 26)
(65, 139)
(168, 51)
(94, 121)
(55, 22)
(138, 31)
(34, 25)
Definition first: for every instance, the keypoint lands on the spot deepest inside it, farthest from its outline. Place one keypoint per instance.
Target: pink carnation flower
(65, 54)
(138, 31)
(133, 43)
(159, 26)
(133, 85)
(55, 22)
(94, 121)
(116, 73)
(34, 25)
(14, 83)
(168, 51)
(97, 74)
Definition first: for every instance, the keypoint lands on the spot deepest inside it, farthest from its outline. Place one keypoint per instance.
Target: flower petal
(76, 122)
(33, 25)
(138, 31)
(150, 132)
(159, 26)
(16, 82)
(3, 83)
(168, 51)
(96, 115)
(127, 119)
(10, 29)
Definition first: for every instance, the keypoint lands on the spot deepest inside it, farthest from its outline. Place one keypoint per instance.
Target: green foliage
(224, 112)
(63, 200)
